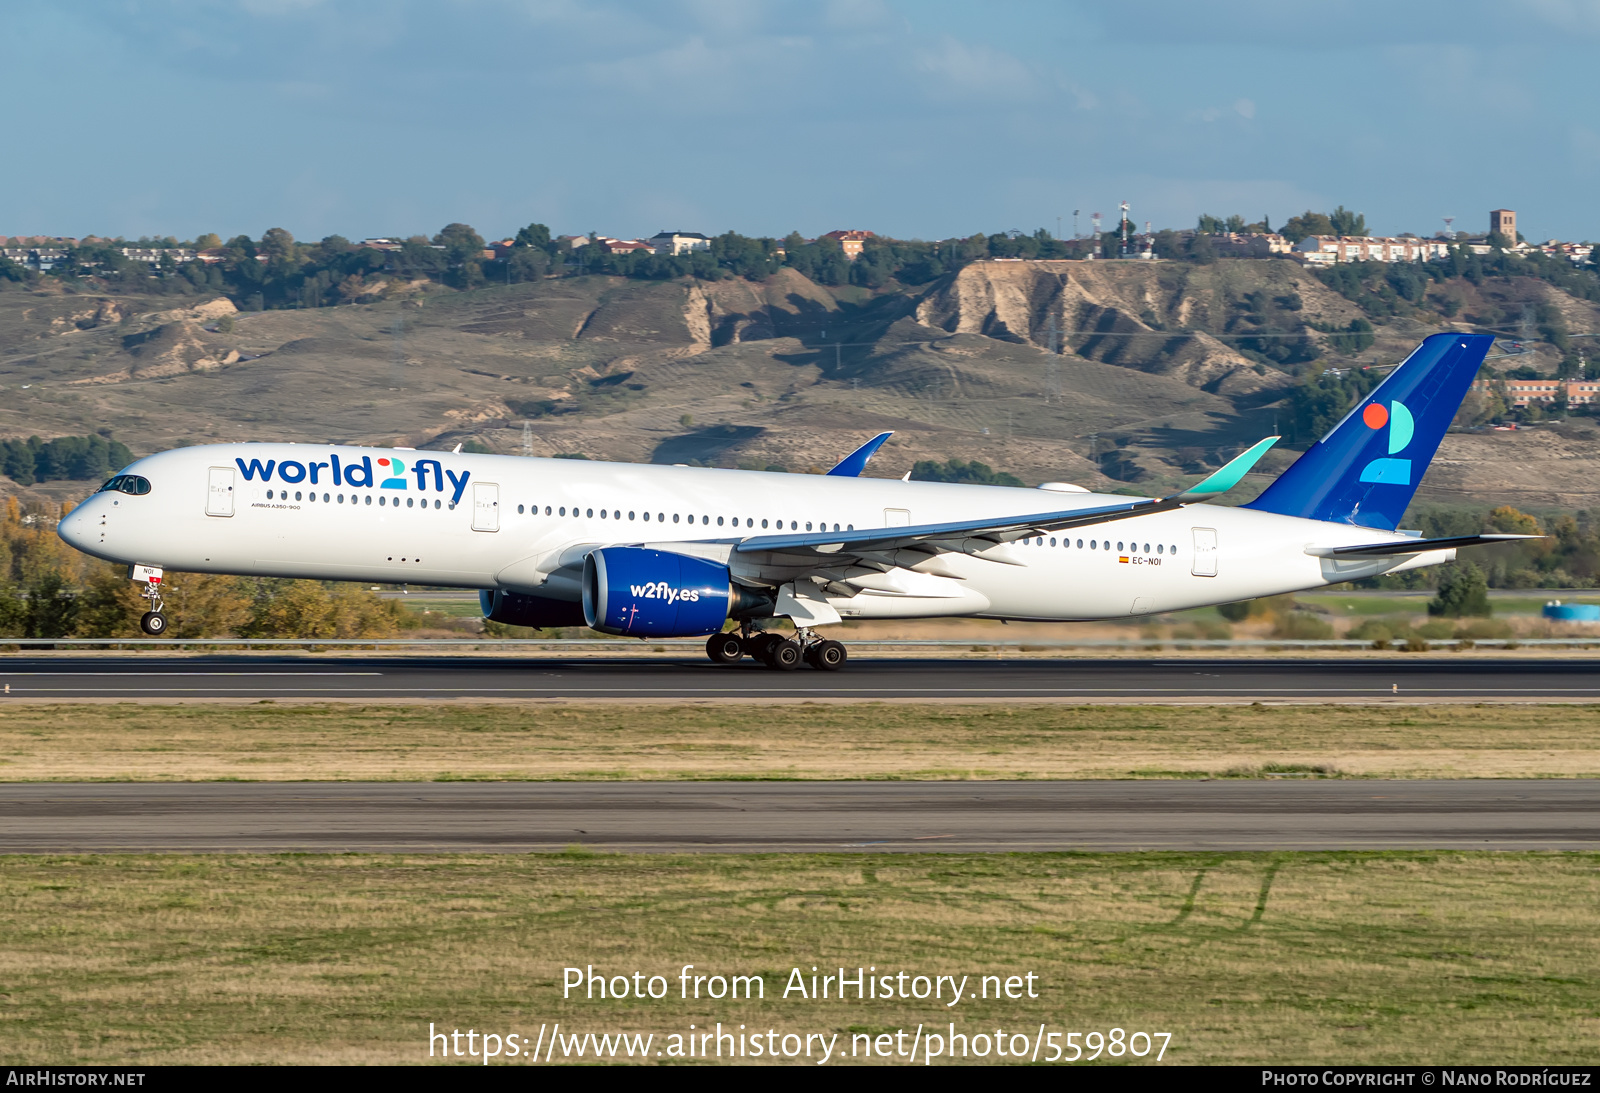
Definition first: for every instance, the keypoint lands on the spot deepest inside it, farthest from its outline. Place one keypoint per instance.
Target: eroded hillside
(1150, 381)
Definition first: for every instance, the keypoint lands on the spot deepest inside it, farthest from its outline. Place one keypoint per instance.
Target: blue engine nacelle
(640, 592)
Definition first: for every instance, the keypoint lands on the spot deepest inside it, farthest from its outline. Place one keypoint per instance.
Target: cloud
(1244, 108)
(956, 69)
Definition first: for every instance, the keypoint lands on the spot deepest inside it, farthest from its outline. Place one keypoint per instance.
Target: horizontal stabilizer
(853, 464)
(1413, 546)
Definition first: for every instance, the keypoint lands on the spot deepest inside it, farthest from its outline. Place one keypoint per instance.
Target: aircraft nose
(75, 528)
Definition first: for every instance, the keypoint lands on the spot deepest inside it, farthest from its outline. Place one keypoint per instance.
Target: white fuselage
(488, 522)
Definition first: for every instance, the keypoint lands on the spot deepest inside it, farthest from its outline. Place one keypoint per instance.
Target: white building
(676, 243)
(1325, 250)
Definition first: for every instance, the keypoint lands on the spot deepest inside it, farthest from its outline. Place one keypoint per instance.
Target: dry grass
(1374, 958)
(613, 742)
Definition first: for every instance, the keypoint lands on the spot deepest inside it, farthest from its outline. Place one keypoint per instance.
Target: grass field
(266, 742)
(1305, 958)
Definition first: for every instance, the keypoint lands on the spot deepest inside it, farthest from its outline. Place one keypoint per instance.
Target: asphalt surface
(792, 816)
(377, 678)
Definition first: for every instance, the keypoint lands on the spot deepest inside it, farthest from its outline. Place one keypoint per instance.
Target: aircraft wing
(1412, 546)
(977, 536)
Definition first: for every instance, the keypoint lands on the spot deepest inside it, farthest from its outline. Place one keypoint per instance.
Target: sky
(911, 118)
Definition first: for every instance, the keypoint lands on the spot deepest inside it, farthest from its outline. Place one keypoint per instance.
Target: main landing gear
(777, 652)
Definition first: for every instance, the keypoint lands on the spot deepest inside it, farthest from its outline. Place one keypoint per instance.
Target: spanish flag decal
(1123, 559)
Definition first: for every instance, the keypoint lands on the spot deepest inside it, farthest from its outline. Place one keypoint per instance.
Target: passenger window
(602, 514)
(1147, 548)
(408, 504)
(1092, 544)
(546, 509)
(381, 499)
(763, 523)
(563, 510)
(341, 499)
(1161, 548)
(369, 498)
(1080, 544)
(1052, 541)
(719, 521)
(297, 495)
(324, 499)
(591, 514)
(647, 517)
(1174, 548)
(661, 517)
(630, 514)
(808, 525)
(519, 510)
(705, 519)
(1119, 546)
(794, 525)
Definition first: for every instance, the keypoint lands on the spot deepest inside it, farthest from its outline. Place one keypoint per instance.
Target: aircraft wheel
(784, 655)
(724, 648)
(827, 656)
(153, 623)
(759, 645)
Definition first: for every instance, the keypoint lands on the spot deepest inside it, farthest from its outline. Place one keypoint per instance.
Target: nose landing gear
(152, 622)
(778, 653)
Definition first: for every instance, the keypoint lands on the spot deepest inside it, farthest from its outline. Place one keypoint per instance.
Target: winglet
(1228, 477)
(853, 464)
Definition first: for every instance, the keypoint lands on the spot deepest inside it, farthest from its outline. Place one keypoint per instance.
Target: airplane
(653, 551)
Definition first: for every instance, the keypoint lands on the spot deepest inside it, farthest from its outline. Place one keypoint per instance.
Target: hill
(1162, 370)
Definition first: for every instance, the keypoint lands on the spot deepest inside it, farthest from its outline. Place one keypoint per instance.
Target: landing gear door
(1205, 552)
(485, 506)
(219, 491)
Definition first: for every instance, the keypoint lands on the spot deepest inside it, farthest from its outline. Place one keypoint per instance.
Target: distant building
(852, 242)
(676, 243)
(381, 244)
(625, 246)
(1503, 221)
(1250, 245)
(1544, 392)
(1325, 250)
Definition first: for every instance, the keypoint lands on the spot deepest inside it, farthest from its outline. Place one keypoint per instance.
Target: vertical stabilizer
(1367, 468)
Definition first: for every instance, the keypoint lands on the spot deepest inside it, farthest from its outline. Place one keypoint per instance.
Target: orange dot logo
(1375, 416)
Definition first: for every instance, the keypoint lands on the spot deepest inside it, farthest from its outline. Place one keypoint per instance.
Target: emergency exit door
(219, 491)
(485, 506)
(1205, 552)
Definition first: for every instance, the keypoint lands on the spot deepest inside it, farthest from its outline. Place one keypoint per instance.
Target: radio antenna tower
(1125, 229)
(1075, 224)
(1447, 222)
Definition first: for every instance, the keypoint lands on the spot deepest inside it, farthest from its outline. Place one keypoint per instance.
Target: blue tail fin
(1368, 466)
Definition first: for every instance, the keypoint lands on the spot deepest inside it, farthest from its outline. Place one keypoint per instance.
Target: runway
(801, 817)
(381, 678)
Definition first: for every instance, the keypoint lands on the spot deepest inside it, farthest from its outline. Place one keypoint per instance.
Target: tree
(1463, 592)
(278, 245)
(1347, 223)
(1307, 223)
(534, 235)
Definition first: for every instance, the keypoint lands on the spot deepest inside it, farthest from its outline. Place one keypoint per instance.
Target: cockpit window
(127, 483)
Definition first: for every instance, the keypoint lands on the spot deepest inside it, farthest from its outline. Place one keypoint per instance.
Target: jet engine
(639, 592)
(519, 609)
